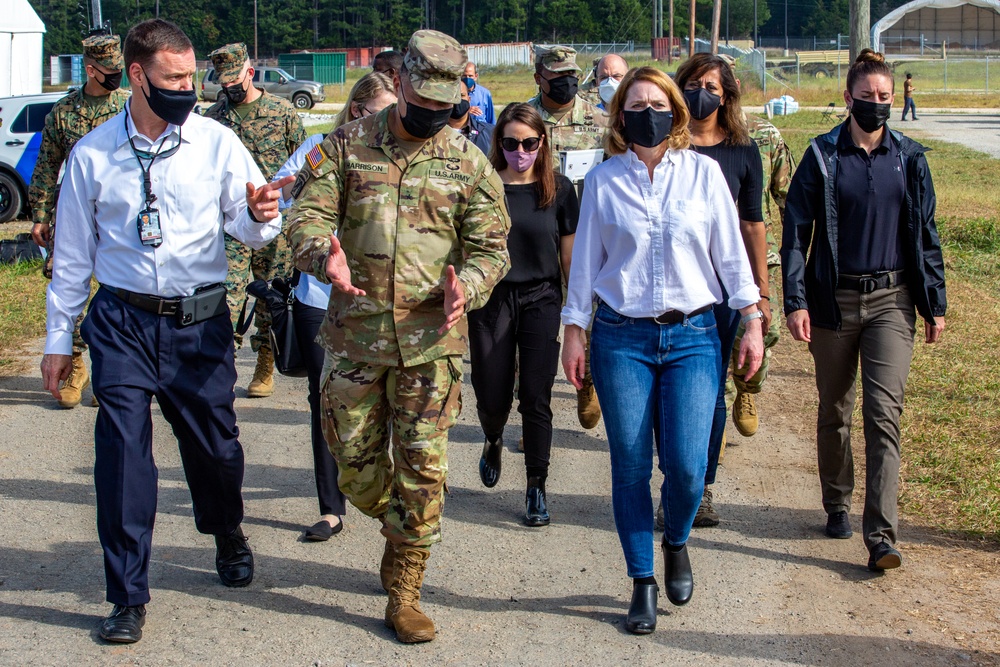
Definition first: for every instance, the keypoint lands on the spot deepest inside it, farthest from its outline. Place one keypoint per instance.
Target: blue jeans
(728, 322)
(661, 377)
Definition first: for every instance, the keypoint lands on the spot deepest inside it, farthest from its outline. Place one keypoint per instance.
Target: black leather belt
(870, 283)
(676, 316)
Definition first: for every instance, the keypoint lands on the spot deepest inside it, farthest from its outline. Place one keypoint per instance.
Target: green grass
(22, 301)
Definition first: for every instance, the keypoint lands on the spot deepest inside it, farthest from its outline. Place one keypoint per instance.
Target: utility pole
(691, 31)
(716, 21)
(255, 33)
(670, 45)
(95, 9)
(755, 24)
(860, 26)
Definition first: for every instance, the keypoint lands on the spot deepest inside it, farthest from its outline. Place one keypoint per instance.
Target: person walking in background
(72, 117)
(476, 130)
(860, 258)
(658, 231)
(517, 331)
(271, 130)
(480, 97)
(908, 103)
(609, 72)
(372, 93)
(387, 62)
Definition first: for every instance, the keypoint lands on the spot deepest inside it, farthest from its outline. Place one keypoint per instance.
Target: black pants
(307, 322)
(517, 331)
(190, 370)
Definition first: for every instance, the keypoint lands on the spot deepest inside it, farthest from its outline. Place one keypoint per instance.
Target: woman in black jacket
(861, 204)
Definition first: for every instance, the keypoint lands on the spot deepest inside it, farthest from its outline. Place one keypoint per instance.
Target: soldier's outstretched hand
(337, 270)
(454, 300)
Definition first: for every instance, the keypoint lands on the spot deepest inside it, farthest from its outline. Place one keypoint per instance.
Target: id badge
(149, 227)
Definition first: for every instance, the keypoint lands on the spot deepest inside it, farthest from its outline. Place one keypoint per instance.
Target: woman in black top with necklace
(517, 331)
(719, 130)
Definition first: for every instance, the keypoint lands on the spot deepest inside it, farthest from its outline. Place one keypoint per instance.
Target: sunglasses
(530, 143)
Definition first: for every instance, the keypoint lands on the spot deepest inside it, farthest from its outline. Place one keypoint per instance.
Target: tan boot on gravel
(262, 384)
(403, 613)
(385, 567)
(588, 410)
(706, 516)
(745, 414)
(78, 380)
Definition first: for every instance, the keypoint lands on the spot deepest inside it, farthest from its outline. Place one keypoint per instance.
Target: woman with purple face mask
(517, 331)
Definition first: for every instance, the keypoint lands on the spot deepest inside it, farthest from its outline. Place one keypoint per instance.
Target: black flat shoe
(536, 512)
(838, 526)
(677, 569)
(641, 619)
(233, 559)
(489, 463)
(321, 531)
(124, 625)
(884, 557)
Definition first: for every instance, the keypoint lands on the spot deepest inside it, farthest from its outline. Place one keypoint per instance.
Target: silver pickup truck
(302, 94)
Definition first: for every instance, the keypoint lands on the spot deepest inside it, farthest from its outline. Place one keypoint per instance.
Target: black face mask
(172, 106)
(460, 109)
(870, 116)
(111, 81)
(422, 122)
(701, 102)
(235, 93)
(648, 127)
(563, 89)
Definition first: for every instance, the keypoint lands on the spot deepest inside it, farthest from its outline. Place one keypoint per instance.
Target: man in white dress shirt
(144, 203)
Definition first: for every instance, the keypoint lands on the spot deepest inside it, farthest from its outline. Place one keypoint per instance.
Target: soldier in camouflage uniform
(573, 124)
(271, 130)
(73, 116)
(406, 219)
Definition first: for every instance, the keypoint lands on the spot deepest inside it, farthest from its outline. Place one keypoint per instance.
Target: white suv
(21, 121)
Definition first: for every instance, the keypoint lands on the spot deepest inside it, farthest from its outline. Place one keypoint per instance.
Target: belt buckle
(668, 317)
(867, 284)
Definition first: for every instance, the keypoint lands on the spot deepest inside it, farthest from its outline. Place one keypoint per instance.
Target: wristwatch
(755, 315)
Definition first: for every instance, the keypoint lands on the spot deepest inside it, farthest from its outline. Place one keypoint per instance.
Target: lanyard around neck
(147, 186)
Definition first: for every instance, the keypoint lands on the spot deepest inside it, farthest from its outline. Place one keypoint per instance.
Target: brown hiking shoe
(745, 414)
(706, 516)
(78, 380)
(403, 613)
(587, 408)
(385, 567)
(262, 384)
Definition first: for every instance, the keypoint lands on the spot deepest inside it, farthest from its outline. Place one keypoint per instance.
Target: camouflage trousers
(753, 384)
(246, 265)
(79, 347)
(387, 428)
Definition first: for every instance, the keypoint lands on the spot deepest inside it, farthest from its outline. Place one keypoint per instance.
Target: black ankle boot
(489, 463)
(641, 619)
(535, 513)
(677, 571)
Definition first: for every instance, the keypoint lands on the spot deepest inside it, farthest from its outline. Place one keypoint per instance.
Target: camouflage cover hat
(556, 58)
(106, 50)
(436, 63)
(228, 62)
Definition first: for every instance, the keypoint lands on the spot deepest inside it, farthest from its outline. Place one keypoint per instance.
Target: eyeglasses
(530, 143)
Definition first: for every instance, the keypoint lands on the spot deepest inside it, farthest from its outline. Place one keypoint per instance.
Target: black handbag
(277, 296)
(19, 249)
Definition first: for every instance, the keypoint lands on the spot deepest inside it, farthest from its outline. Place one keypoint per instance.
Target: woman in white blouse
(658, 229)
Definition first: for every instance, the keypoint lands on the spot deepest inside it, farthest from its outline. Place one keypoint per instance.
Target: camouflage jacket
(271, 131)
(401, 224)
(582, 128)
(70, 119)
(778, 167)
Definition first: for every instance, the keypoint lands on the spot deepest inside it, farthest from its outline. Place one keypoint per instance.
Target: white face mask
(607, 89)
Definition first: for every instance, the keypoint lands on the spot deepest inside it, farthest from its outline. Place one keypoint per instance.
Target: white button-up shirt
(200, 190)
(648, 247)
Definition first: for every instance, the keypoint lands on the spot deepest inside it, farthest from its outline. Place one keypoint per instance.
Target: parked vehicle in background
(21, 121)
(301, 93)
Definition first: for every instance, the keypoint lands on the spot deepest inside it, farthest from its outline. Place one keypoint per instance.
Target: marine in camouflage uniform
(404, 209)
(271, 130)
(83, 109)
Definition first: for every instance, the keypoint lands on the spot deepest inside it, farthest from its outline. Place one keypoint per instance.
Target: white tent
(20, 49)
(967, 23)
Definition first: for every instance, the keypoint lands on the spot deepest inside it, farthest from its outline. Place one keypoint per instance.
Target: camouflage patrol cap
(436, 63)
(728, 59)
(105, 50)
(228, 62)
(556, 58)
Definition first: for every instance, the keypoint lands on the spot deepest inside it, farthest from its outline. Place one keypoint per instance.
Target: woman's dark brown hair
(867, 63)
(545, 181)
(731, 118)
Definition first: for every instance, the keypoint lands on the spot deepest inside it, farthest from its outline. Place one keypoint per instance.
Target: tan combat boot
(588, 410)
(403, 613)
(385, 567)
(262, 384)
(745, 414)
(78, 380)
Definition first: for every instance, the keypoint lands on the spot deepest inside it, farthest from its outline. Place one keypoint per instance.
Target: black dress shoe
(536, 513)
(321, 531)
(641, 619)
(677, 570)
(838, 526)
(489, 463)
(124, 625)
(233, 559)
(883, 557)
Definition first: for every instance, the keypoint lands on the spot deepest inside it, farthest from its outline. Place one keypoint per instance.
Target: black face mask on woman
(648, 127)
(702, 103)
(870, 116)
(563, 89)
(422, 122)
(172, 106)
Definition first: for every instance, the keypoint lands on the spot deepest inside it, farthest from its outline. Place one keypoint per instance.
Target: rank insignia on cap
(316, 156)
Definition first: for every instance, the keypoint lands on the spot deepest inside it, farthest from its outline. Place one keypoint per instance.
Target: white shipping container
(501, 55)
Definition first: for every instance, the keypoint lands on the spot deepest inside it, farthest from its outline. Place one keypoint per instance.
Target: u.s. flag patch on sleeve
(316, 156)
